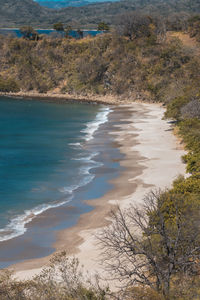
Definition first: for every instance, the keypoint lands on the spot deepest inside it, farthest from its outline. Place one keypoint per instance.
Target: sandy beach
(152, 160)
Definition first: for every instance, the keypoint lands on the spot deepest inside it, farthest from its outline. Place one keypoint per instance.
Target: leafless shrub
(63, 279)
(66, 279)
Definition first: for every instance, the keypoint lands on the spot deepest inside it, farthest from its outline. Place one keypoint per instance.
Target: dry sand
(152, 160)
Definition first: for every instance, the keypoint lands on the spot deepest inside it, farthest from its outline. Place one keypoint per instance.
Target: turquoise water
(43, 157)
(53, 157)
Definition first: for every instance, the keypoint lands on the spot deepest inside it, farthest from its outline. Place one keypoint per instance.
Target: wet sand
(152, 160)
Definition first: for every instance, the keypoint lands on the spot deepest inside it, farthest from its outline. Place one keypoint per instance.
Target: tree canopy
(58, 26)
(29, 33)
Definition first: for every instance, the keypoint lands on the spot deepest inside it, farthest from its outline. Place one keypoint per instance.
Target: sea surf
(49, 157)
(71, 159)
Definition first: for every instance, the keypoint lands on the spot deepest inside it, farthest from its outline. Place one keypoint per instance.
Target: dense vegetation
(17, 13)
(139, 59)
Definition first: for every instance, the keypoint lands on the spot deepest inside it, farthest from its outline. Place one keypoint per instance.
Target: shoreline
(65, 98)
(149, 147)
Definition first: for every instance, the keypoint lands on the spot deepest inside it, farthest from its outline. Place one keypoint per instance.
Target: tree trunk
(166, 288)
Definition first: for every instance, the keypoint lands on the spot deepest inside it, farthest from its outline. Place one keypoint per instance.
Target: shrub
(174, 107)
(62, 280)
(152, 244)
(190, 185)
(8, 85)
(191, 109)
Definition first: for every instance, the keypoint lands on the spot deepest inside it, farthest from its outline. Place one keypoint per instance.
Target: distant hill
(21, 12)
(16, 13)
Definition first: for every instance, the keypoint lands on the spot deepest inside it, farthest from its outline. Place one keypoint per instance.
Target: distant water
(57, 4)
(51, 32)
(44, 158)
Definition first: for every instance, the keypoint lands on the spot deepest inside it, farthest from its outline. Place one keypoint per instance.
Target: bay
(53, 157)
(41, 158)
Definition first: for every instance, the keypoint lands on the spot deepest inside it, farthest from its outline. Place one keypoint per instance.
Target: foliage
(67, 30)
(62, 280)
(146, 65)
(150, 245)
(80, 33)
(191, 109)
(188, 288)
(189, 129)
(109, 63)
(174, 107)
(194, 27)
(103, 26)
(11, 288)
(29, 33)
(8, 85)
(58, 26)
(189, 186)
(143, 293)
(15, 14)
(134, 26)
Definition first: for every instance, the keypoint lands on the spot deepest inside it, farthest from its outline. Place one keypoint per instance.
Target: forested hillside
(16, 13)
(140, 58)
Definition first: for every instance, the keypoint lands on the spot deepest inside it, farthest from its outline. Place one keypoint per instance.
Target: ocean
(51, 155)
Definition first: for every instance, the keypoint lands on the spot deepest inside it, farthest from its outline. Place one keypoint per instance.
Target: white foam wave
(70, 189)
(77, 145)
(87, 158)
(17, 227)
(87, 178)
(91, 127)
(84, 172)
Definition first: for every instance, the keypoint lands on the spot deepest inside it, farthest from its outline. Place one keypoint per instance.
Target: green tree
(29, 33)
(8, 85)
(103, 27)
(58, 26)
(67, 30)
(80, 33)
(151, 245)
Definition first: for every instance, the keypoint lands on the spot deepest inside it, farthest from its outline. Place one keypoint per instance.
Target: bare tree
(147, 245)
(136, 25)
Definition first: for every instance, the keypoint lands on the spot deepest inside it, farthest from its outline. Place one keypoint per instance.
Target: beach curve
(152, 160)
